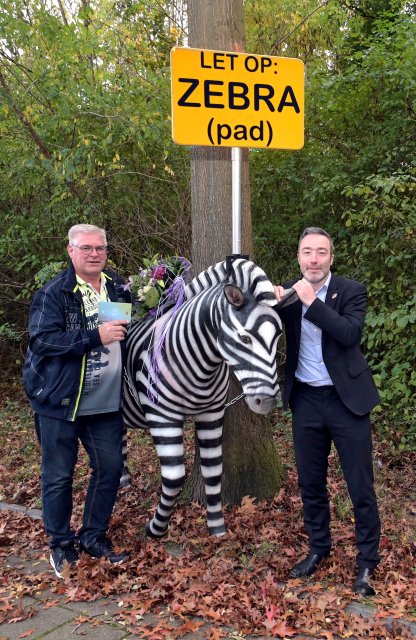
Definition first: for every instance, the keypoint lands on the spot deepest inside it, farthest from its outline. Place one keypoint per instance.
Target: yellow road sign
(230, 99)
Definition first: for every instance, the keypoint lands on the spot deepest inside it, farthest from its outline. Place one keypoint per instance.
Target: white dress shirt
(311, 368)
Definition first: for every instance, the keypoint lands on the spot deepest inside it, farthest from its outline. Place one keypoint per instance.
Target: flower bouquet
(160, 283)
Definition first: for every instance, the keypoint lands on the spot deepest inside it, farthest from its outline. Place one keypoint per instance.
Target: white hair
(85, 228)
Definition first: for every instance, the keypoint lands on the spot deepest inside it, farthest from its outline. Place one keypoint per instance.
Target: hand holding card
(108, 311)
(112, 331)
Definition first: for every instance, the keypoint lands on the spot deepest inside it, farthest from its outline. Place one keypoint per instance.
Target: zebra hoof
(125, 484)
(217, 531)
(149, 533)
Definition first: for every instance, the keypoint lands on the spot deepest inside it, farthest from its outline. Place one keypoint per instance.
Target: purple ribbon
(175, 293)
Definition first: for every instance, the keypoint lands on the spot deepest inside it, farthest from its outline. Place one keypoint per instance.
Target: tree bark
(251, 462)
(211, 194)
(252, 465)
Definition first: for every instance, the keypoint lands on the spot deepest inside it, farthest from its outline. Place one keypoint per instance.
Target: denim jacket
(53, 372)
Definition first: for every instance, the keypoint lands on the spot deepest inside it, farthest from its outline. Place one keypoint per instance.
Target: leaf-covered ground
(239, 580)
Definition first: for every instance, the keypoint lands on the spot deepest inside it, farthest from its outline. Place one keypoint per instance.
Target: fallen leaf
(248, 505)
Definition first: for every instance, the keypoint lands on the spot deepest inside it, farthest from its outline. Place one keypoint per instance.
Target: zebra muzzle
(261, 403)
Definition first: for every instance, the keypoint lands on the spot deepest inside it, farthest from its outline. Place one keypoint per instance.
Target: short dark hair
(318, 231)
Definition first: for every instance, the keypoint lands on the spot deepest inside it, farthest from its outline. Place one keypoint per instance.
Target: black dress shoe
(307, 566)
(361, 584)
(102, 548)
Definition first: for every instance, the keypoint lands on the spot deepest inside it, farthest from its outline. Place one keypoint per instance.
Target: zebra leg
(125, 480)
(209, 437)
(168, 440)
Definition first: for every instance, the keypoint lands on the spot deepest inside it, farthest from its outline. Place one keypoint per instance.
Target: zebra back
(143, 336)
(243, 273)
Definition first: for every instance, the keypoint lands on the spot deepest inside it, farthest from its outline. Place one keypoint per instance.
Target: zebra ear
(234, 295)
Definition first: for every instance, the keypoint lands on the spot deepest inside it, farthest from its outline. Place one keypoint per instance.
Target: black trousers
(320, 417)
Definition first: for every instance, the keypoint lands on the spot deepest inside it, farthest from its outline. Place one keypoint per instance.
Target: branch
(170, 15)
(39, 97)
(62, 10)
(359, 10)
(31, 131)
(14, 61)
(102, 115)
(277, 44)
(28, 126)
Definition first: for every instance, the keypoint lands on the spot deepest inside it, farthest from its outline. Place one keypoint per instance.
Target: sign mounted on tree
(230, 99)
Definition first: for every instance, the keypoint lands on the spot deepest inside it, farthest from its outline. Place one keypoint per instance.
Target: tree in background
(251, 462)
(85, 136)
(356, 178)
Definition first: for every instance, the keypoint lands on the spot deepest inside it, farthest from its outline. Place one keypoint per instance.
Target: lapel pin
(334, 295)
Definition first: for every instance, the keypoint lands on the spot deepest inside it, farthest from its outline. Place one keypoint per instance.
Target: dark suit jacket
(341, 319)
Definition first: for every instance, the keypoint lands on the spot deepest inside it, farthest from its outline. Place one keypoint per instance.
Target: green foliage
(86, 129)
(355, 177)
(8, 332)
(305, 29)
(85, 137)
(47, 272)
(382, 251)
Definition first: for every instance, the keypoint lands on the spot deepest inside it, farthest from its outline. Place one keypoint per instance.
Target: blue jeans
(101, 437)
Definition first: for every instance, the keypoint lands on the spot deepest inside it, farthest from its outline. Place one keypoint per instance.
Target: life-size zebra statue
(227, 319)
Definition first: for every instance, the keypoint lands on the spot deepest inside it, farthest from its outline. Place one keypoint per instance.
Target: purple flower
(184, 262)
(175, 288)
(127, 286)
(159, 272)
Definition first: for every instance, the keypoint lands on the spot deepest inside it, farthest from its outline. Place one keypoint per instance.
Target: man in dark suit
(330, 391)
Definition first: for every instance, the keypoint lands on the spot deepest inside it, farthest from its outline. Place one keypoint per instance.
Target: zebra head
(249, 333)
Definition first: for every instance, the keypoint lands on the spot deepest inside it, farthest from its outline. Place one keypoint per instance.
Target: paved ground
(66, 620)
(56, 619)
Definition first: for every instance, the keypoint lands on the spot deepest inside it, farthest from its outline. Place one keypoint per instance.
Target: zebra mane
(244, 273)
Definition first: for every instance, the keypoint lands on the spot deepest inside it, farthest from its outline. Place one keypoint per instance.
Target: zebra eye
(245, 339)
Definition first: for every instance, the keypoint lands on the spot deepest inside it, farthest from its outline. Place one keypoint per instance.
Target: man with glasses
(73, 378)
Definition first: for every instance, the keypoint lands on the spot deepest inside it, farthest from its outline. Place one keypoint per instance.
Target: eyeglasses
(86, 249)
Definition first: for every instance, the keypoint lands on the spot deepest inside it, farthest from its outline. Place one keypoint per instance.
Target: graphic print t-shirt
(102, 381)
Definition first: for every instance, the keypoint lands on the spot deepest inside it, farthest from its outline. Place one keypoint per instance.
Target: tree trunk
(251, 463)
(216, 24)
(211, 192)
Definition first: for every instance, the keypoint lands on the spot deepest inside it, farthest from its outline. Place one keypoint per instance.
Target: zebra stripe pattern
(227, 319)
